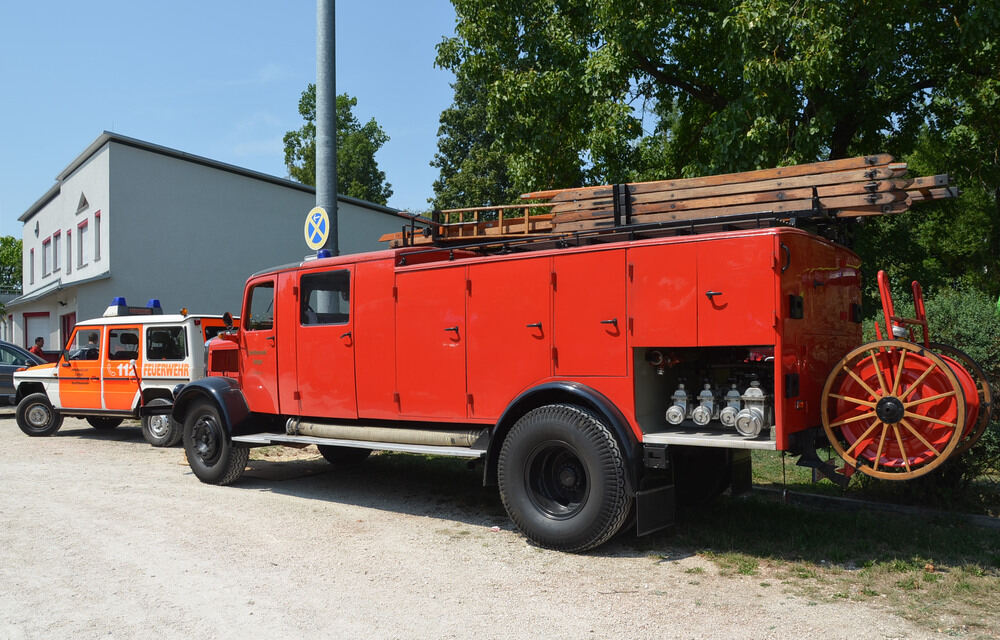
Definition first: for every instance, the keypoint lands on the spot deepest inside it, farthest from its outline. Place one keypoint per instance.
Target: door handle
(345, 335)
(533, 325)
(271, 340)
(455, 329)
(612, 321)
(712, 294)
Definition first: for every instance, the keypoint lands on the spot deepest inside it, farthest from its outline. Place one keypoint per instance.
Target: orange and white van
(113, 365)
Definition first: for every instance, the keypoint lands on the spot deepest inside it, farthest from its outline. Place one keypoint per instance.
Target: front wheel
(210, 451)
(562, 478)
(36, 417)
(161, 431)
(103, 423)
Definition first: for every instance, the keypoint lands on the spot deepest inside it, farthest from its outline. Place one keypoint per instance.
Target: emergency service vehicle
(132, 356)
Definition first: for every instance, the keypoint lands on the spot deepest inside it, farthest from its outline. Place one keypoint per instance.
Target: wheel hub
(205, 442)
(567, 477)
(158, 425)
(38, 416)
(889, 410)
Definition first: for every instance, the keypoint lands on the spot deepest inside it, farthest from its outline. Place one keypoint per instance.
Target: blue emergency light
(119, 307)
(323, 253)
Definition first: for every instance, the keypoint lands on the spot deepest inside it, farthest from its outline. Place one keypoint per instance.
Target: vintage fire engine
(597, 374)
(114, 364)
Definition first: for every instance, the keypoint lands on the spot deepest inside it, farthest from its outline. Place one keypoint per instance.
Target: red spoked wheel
(894, 410)
(980, 412)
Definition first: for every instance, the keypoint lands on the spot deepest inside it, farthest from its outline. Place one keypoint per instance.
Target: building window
(97, 236)
(81, 244)
(69, 251)
(31, 266)
(56, 240)
(46, 256)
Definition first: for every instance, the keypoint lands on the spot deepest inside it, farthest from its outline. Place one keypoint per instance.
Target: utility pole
(326, 118)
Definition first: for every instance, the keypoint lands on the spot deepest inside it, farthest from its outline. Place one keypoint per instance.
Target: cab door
(325, 344)
(80, 370)
(121, 386)
(259, 354)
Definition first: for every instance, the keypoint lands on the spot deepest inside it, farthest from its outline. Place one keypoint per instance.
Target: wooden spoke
(899, 372)
(917, 416)
(913, 403)
(854, 419)
(916, 383)
(865, 435)
(919, 437)
(863, 384)
(902, 449)
(878, 372)
(864, 403)
(878, 453)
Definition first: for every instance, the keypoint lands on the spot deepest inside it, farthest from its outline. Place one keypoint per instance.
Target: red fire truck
(622, 354)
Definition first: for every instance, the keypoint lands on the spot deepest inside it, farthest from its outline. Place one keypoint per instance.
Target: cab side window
(86, 345)
(326, 298)
(166, 343)
(9, 356)
(123, 344)
(260, 307)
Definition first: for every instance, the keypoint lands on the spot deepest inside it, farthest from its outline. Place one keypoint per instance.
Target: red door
(662, 295)
(325, 344)
(430, 343)
(80, 370)
(589, 307)
(510, 331)
(258, 355)
(66, 324)
(736, 291)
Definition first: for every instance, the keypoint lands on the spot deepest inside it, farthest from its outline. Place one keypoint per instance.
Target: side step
(262, 439)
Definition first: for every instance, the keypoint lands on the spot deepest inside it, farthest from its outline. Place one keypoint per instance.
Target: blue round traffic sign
(317, 228)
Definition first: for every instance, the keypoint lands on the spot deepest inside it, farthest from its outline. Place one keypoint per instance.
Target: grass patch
(939, 573)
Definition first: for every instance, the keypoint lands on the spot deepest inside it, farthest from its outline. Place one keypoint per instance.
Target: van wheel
(103, 424)
(36, 417)
(562, 478)
(343, 455)
(210, 452)
(161, 431)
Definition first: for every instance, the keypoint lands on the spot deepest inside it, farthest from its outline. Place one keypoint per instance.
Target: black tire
(103, 423)
(210, 452)
(343, 455)
(562, 478)
(36, 417)
(161, 431)
(701, 474)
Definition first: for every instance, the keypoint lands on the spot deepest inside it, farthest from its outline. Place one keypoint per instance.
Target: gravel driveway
(103, 536)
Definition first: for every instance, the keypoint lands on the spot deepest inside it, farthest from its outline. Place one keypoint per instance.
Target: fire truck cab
(113, 365)
(592, 381)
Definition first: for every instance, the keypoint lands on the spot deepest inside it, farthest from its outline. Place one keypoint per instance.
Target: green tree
(358, 174)
(598, 91)
(10, 264)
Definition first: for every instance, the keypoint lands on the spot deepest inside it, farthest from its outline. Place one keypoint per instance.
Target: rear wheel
(36, 417)
(210, 451)
(562, 478)
(161, 431)
(103, 423)
(343, 455)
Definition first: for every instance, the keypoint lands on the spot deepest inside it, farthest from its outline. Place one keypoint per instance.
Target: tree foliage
(358, 174)
(567, 92)
(11, 260)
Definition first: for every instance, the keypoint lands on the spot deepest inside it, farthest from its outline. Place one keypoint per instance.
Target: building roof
(108, 136)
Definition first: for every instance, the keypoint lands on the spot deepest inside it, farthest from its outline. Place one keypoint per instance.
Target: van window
(123, 344)
(261, 307)
(326, 298)
(166, 343)
(86, 344)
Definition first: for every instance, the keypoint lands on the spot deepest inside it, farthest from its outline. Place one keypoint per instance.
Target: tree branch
(708, 95)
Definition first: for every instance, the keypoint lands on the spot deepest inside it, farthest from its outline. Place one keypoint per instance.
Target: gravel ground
(103, 536)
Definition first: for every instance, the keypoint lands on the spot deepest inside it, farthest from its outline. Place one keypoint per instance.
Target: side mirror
(227, 319)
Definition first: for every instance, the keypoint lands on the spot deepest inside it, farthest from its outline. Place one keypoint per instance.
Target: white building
(129, 218)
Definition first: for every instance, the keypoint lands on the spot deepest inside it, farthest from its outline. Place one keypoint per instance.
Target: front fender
(225, 393)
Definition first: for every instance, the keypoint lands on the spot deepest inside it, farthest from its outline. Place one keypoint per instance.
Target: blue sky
(217, 78)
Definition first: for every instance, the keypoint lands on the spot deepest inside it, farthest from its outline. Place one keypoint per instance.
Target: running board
(261, 439)
(696, 438)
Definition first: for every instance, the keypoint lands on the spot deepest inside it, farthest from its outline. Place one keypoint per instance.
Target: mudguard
(565, 391)
(224, 392)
